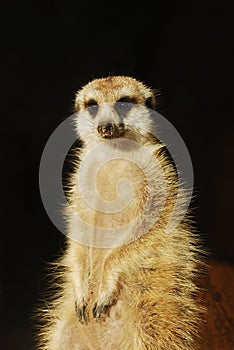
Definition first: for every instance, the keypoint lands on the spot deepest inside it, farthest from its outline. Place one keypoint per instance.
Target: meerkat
(133, 288)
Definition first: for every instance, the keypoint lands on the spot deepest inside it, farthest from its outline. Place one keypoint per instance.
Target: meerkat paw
(81, 311)
(101, 311)
(102, 307)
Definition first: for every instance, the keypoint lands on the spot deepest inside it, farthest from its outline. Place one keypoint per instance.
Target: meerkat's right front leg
(80, 282)
(80, 278)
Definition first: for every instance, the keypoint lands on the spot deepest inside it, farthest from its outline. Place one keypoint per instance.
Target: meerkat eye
(92, 106)
(124, 104)
(127, 99)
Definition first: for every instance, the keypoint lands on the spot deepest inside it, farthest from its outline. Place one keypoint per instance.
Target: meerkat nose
(106, 129)
(110, 130)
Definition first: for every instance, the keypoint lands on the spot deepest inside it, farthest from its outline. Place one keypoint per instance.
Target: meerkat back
(126, 281)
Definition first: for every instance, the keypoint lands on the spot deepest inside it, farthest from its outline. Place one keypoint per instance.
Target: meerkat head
(113, 107)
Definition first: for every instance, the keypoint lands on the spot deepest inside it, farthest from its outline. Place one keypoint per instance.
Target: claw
(95, 310)
(99, 312)
(81, 313)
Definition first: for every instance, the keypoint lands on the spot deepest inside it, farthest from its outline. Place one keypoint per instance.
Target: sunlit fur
(148, 286)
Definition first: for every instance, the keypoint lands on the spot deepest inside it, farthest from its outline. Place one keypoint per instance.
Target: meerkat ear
(76, 104)
(77, 107)
(150, 102)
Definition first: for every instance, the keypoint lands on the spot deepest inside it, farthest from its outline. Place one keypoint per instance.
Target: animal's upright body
(133, 288)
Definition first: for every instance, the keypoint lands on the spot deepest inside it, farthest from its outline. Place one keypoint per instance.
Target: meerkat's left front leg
(108, 290)
(113, 273)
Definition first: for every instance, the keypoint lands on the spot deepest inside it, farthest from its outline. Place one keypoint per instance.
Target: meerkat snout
(109, 123)
(110, 130)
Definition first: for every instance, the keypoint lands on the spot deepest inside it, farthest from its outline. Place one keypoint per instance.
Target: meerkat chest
(112, 181)
(114, 195)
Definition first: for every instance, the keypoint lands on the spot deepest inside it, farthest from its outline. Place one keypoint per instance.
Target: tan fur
(146, 287)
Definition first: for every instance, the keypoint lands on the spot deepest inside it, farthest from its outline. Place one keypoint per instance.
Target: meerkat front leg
(80, 279)
(80, 282)
(113, 272)
(108, 290)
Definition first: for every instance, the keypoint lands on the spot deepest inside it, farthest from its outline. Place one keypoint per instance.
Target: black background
(184, 52)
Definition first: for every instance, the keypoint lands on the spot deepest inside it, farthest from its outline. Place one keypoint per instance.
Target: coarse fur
(139, 293)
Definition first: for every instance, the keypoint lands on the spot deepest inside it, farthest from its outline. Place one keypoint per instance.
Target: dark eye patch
(92, 106)
(124, 104)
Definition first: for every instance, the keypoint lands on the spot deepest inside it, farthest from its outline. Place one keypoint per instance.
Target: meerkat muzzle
(110, 130)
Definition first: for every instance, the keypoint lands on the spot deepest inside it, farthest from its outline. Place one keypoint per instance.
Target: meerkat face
(113, 107)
